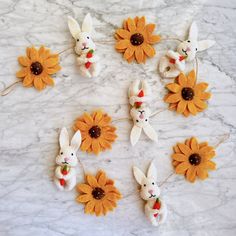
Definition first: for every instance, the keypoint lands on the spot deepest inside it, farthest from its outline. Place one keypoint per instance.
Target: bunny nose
(66, 159)
(150, 191)
(188, 49)
(84, 44)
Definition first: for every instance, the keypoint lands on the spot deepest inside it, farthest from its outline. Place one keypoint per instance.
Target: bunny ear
(193, 31)
(76, 140)
(152, 171)
(134, 88)
(135, 134)
(87, 25)
(150, 132)
(205, 44)
(145, 87)
(139, 175)
(73, 26)
(64, 138)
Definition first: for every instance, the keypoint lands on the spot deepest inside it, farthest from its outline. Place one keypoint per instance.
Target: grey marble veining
(30, 121)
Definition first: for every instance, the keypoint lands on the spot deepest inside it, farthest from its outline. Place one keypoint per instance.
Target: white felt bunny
(155, 208)
(140, 112)
(65, 174)
(174, 62)
(85, 47)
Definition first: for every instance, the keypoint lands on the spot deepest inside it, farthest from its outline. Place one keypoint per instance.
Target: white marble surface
(30, 121)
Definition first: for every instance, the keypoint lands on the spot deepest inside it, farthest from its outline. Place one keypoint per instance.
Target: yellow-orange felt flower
(193, 159)
(99, 194)
(135, 39)
(38, 66)
(97, 132)
(185, 96)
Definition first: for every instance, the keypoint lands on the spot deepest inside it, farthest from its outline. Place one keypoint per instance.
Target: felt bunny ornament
(85, 47)
(155, 208)
(174, 62)
(140, 111)
(65, 174)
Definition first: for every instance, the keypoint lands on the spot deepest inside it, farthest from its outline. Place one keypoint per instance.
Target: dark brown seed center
(187, 94)
(95, 132)
(194, 159)
(36, 68)
(98, 193)
(136, 39)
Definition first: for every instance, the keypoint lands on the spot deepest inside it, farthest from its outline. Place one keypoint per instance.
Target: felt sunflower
(38, 66)
(193, 159)
(97, 132)
(99, 194)
(135, 39)
(185, 96)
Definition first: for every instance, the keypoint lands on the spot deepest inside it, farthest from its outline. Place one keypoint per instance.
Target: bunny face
(149, 187)
(84, 42)
(188, 49)
(140, 115)
(191, 46)
(67, 155)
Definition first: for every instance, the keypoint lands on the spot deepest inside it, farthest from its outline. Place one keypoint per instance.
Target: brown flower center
(194, 159)
(98, 193)
(136, 39)
(36, 68)
(95, 132)
(187, 94)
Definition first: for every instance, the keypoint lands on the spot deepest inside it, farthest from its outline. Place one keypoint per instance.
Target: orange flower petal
(192, 108)
(199, 103)
(95, 146)
(173, 98)
(131, 25)
(139, 54)
(173, 87)
(210, 165)
(122, 44)
(141, 23)
(38, 83)
(98, 208)
(47, 80)
(125, 34)
(182, 79)
(191, 174)
(33, 54)
(149, 50)
(179, 157)
(53, 70)
(184, 149)
(82, 125)
(202, 174)
(84, 188)
(150, 28)
(152, 39)
(194, 144)
(88, 119)
(84, 198)
(92, 181)
(24, 61)
(22, 73)
(182, 167)
(191, 79)
(181, 106)
(129, 52)
(200, 87)
(89, 208)
(102, 179)
(98, 117)
(204, 96)
(86, 143)
(50, 62)
(28, 80)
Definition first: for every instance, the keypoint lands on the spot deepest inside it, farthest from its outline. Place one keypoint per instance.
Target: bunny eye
(137, 121)
(188, 41)
(77, 40)
(72, 154)
(87, 37)
(145, 119)
(196, 49)
(144, 185)
(61, 153)
(153, 183)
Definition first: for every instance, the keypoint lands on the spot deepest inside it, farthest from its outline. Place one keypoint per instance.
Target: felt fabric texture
(37, 67)
(98, 194)
(155, 207)
(97, 132)
(173, 63)
(193, 159)
(135, 39)
(87, 60)
(66, 160)
(185, 96)
(139, 92)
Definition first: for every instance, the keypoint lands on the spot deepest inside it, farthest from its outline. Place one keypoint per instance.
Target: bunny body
(85, 48)
(155, 208)
(174, 61)
(140, 111)
(65, 173)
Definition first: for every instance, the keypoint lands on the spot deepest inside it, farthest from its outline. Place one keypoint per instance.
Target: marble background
(30, 121)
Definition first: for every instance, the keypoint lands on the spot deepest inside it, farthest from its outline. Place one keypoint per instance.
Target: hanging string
(165, 180)
(225, 137)
(171, 38)
(157, 112)
(8, 89)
